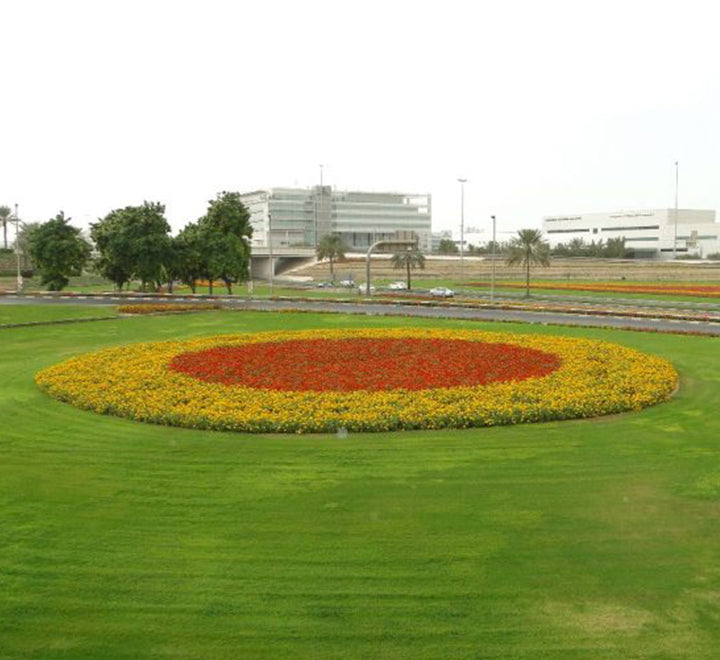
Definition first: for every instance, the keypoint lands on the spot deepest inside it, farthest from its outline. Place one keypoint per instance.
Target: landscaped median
(361, 380)
(166, 308)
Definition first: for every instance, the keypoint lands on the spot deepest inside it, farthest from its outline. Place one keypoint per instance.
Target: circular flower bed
(361, 380)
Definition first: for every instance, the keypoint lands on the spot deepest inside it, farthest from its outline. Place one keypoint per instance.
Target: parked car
(362, 288)
(347, 283)
(397, 286)
(324, 285)
(442, 292)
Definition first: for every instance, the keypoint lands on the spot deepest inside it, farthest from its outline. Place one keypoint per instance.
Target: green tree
(225, 233)
(188, 262)
(58, 251)
(407, 259)
(114, 261)
(133, 242)
(528, 249)
(615, 248)
(447, 246)
(23, 238)
(5, 214)
(332, 248)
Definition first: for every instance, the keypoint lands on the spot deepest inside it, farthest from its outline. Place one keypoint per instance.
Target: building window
(638, 227)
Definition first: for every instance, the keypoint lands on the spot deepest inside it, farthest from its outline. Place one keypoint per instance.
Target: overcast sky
(546, 107)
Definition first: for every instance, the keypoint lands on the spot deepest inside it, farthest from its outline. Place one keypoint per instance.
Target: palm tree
(5, 213)
(410, 258)
(331, 247)
(528, 249)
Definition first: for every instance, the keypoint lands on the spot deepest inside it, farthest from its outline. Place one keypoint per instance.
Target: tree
(225, 233)
(188, 262)
(528, 249)
(333, 248)
(5, 214)
(58, 250)
(22, 241)
(133, 242)
(615, 248)
(447, 246)
(407, 259)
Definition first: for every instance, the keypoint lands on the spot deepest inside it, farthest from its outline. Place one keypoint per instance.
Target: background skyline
(560, 108)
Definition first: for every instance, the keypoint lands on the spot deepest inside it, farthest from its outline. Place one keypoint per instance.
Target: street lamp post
(19, 279)
(462, 183)
(270, 253)
(676, 211)
(492, 265)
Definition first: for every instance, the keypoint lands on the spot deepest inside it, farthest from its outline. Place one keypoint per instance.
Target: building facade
(298, 217)
(651, 233)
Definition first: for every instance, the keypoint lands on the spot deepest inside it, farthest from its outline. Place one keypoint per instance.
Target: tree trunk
(170, 286)
(228, 284)
(527, 279)
(5, 234)
(408, 274)
(332, 271)
(210, 285)
(193, 286)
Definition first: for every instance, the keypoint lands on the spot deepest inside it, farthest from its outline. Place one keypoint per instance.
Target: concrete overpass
(283, 259)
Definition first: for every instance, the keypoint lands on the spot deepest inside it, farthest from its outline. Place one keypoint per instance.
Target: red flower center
(365, 364)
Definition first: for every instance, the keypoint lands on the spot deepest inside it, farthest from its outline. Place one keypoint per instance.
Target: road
(372, 309)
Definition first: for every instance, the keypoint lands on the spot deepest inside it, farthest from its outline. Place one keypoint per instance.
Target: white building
(652, 233)
(300, 217)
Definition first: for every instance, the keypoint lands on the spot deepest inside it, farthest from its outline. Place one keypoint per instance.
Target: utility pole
(676, 210)
(492, 275)
(270, 252)
(462, 230)
(19, 279)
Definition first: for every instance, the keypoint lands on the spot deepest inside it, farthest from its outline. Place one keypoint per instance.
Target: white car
(362, 288)
(347, 283)
(442, 292)
(397, 286)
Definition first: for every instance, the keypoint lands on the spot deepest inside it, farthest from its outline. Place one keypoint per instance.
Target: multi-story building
(297, 217)
(651, 233)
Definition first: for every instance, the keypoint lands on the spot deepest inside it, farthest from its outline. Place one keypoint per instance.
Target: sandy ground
(560, 269)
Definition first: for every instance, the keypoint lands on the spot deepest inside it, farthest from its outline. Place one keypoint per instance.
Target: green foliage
(447, 246)
(133, 242)
(528, 249)
(615, 248)
(714, 256)
(224, 240)
(408, 259)
(332, 248)
(58, 250)
(188, 259)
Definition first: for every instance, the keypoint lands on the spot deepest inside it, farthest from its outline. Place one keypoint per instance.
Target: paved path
(542, 317)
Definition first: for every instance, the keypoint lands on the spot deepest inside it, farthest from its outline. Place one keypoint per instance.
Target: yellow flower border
(595, 378)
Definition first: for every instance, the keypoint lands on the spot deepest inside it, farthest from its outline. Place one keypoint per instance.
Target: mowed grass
(30, 313)
(592, 539)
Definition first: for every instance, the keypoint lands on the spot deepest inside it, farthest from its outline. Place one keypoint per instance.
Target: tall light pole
(270, 252)
(492, 265)
(676, 210)
(19, 278)
(462, 183)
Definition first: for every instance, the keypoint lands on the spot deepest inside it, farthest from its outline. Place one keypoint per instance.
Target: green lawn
(51, 312)
(590, 540)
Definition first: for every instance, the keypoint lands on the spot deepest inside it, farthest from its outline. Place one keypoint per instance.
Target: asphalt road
(370, 309)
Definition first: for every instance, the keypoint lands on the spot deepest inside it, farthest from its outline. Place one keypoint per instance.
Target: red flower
(365, 364)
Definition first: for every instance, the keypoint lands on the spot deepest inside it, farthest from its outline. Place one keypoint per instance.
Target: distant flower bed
(699, 290)
(165, 307)
(361, 380)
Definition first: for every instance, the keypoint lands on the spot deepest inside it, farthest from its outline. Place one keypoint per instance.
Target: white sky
(546, 107)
